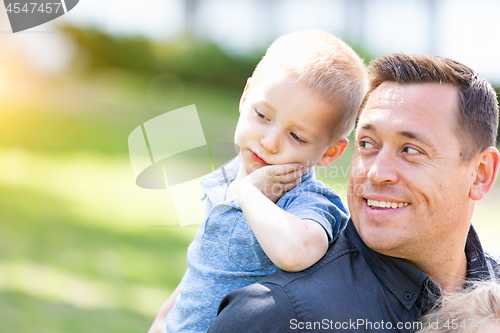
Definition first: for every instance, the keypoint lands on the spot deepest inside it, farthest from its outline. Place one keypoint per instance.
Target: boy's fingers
(291, 176)
(283, 169)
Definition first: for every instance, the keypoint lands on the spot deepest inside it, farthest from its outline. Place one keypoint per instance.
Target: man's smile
(385, 204)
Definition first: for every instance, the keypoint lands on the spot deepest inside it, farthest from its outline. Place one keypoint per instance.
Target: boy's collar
(215, 184)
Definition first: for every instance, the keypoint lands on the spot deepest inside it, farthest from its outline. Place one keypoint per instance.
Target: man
(424, 153)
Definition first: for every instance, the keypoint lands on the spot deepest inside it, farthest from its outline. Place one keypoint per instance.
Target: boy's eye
(260, 114)
(297, 138)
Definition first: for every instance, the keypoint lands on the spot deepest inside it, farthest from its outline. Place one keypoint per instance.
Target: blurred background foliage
(82, 248)
(194, 60)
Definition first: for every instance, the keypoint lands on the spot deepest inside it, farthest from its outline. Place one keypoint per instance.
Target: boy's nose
(270, 142)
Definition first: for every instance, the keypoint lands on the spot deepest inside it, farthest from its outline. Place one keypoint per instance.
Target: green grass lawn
(82, 248)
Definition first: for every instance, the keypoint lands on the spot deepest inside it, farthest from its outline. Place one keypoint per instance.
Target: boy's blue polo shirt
(225, 255)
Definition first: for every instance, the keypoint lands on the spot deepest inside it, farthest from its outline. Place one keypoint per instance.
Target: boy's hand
(273, 180)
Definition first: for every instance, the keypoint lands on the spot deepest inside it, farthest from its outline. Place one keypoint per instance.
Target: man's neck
(448, 274)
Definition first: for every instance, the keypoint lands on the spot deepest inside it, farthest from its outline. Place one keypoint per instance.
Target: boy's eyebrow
(305, 131)
(264, 103)
(310, 133)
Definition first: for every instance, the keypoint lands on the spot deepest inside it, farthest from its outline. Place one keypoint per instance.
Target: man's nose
(383, 168)
(270, 142)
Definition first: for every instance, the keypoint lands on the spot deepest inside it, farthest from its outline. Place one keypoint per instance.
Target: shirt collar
(476, 262)
(215, 184)
(404, 280)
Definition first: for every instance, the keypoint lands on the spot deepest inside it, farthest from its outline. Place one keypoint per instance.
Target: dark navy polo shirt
(351, 289)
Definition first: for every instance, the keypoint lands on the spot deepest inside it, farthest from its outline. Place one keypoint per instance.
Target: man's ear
(245, 92)
(333, 152)
(486, 172)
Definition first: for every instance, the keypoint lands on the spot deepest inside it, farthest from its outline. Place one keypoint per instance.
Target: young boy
(267, 211)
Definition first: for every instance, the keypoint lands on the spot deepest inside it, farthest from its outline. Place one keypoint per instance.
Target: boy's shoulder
(313, 200)
(313, 186)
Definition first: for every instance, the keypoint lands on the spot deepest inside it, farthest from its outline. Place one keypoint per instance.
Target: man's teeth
(385, 204)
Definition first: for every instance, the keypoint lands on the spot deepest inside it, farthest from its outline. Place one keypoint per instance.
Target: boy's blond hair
(477, 305)
(326, 65)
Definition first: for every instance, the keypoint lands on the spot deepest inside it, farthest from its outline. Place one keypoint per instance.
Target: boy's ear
(486, 172)
(333, 152)
(245, 92)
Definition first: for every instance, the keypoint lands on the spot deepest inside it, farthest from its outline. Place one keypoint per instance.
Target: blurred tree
(98, 50)
(191, 59)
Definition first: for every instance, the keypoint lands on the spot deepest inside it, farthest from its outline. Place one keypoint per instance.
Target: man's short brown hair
(477, 121)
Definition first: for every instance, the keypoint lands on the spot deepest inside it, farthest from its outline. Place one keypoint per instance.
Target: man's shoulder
(336, 261)
(279, 300)
(254, 308)
(330, 291)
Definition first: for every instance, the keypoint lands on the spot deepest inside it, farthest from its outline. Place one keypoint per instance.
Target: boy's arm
(160, 320)
(291, 243)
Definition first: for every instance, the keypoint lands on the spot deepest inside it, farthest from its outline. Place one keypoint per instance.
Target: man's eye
(366, 144)
(297, 138)
(411, 150)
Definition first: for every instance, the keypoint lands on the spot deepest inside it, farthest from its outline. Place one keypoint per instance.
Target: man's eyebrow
(414, 136)
(408, 134)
